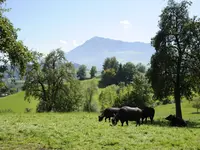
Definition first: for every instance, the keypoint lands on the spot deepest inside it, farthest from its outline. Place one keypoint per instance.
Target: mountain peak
(95, 50)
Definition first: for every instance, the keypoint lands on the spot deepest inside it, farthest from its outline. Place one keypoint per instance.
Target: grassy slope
(16, 103)
(83, 131)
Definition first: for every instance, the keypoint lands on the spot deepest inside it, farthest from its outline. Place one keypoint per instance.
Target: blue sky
(50, 24)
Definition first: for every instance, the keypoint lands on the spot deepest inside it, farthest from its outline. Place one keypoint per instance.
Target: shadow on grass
(195, 113)
(165, 123)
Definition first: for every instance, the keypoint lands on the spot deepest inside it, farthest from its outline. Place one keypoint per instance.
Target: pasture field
(82, 131)
(16, 103)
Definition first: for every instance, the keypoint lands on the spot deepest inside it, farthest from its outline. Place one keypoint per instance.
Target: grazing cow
(108, 113)
(148, 112)
(176, 121)
(126, 114)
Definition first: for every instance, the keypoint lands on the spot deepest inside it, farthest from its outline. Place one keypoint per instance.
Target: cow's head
(100, 118)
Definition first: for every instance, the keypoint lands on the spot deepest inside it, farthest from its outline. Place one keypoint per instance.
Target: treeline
(53, 81)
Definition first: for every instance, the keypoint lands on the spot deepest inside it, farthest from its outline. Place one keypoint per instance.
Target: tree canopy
(81, 73)
(13, 52)
(51, 81)
(175, 65)
(93, 71)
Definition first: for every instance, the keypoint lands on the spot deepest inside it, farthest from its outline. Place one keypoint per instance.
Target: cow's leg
(127, 122)
(151, 119)
(109, 119)
(146, 119)
(105, 119)
(142, 120)
(137, 122)
(122, 122)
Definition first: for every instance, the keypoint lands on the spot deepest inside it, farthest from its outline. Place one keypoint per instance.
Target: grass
(80, 130)
(16, 103)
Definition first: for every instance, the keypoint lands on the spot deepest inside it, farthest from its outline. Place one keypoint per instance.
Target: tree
(107, 96)
(174, 67)
(111, 63)
(81, 73)
(108, 77)
(141, 68)
(120, 74)
(90, 90)
(128, 71)
(51, 81)
(196, 103)
(13, 52)
(142, 92)
(110, 68)
(93, 71)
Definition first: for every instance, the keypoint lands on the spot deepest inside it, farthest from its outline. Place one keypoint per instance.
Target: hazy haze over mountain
(95, 50)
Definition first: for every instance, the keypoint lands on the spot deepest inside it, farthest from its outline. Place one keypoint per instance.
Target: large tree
(175, 65)
(51, 81)
(110, 68)
(129, 70)
(12, 51)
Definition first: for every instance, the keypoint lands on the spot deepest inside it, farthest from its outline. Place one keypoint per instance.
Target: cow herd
(127, 113)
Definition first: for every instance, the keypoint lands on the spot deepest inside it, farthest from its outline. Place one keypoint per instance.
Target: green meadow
(82, 131)
(16, 103)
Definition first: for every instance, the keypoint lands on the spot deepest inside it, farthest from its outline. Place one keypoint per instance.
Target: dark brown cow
(176, 121)
(148, 112)
(108, 113)
(126, 114)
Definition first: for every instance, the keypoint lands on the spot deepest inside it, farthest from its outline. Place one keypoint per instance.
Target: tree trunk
(177, 91)
(178, 103)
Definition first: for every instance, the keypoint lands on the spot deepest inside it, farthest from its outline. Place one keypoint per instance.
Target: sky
(49, 24)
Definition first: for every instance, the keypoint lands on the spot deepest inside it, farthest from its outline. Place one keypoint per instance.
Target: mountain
(95, 50)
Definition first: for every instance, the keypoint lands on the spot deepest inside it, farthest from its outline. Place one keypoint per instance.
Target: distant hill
(95, 50)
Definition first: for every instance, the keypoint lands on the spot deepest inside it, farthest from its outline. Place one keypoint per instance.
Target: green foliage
(51, 81)
(123, 95)
(12, 51)
(142, 93)
(108, 77)
(129, 70)
(108, 96)
(136, 94)
(110, 67)
(81, 73)
(175, 65)
(93, 71)
(114, 73)
(111, 63)
(90, 90)
(141, 68)
(196, 103)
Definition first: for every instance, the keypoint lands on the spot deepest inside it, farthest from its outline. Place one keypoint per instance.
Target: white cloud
(63, 42)
(126, 24)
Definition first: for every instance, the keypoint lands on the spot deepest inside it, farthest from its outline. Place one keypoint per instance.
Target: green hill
(16, 103)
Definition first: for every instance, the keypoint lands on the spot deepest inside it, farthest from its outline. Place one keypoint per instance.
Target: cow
(176, 121)
(108, 113)
(148, 112)
(126, 114)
